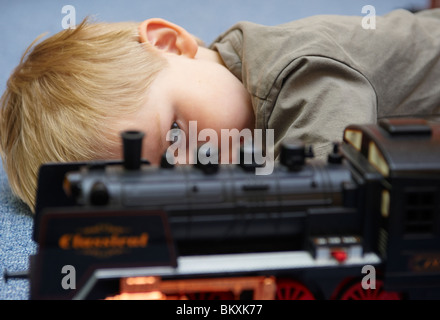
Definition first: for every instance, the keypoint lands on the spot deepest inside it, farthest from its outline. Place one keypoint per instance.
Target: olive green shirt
(310, 78)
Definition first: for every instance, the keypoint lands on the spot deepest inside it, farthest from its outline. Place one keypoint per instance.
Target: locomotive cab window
(368, 149)
(354, 137)
(376, 158)
(420, 209)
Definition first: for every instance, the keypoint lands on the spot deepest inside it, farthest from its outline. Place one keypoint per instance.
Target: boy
(72, 94)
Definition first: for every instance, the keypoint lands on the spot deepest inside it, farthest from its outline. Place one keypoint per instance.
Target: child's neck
(208, 54)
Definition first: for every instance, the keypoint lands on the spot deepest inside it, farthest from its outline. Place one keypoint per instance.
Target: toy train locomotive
(310, 230)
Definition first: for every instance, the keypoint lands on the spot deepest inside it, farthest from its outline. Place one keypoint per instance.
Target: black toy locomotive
(311, 229)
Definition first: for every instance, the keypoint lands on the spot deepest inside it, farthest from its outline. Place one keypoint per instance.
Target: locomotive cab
(408, 219)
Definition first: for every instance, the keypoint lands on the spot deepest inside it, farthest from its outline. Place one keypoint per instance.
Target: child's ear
(168, 37)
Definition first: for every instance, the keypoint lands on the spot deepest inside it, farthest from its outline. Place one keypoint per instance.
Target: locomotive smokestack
(132, 148)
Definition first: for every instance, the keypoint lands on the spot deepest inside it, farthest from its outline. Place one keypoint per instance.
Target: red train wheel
(356, 292)
(292, 290)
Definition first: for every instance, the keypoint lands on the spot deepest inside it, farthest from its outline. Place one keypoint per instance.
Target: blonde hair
(61, 99)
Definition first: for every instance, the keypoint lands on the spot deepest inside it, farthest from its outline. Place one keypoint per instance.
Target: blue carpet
(22, 21)
(16, 222)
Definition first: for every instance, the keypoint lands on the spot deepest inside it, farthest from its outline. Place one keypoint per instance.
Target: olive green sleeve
(318, 97)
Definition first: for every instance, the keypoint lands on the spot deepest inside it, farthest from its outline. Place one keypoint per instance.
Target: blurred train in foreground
(363, 225)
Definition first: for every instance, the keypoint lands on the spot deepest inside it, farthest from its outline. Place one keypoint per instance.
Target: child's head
(72, 94)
